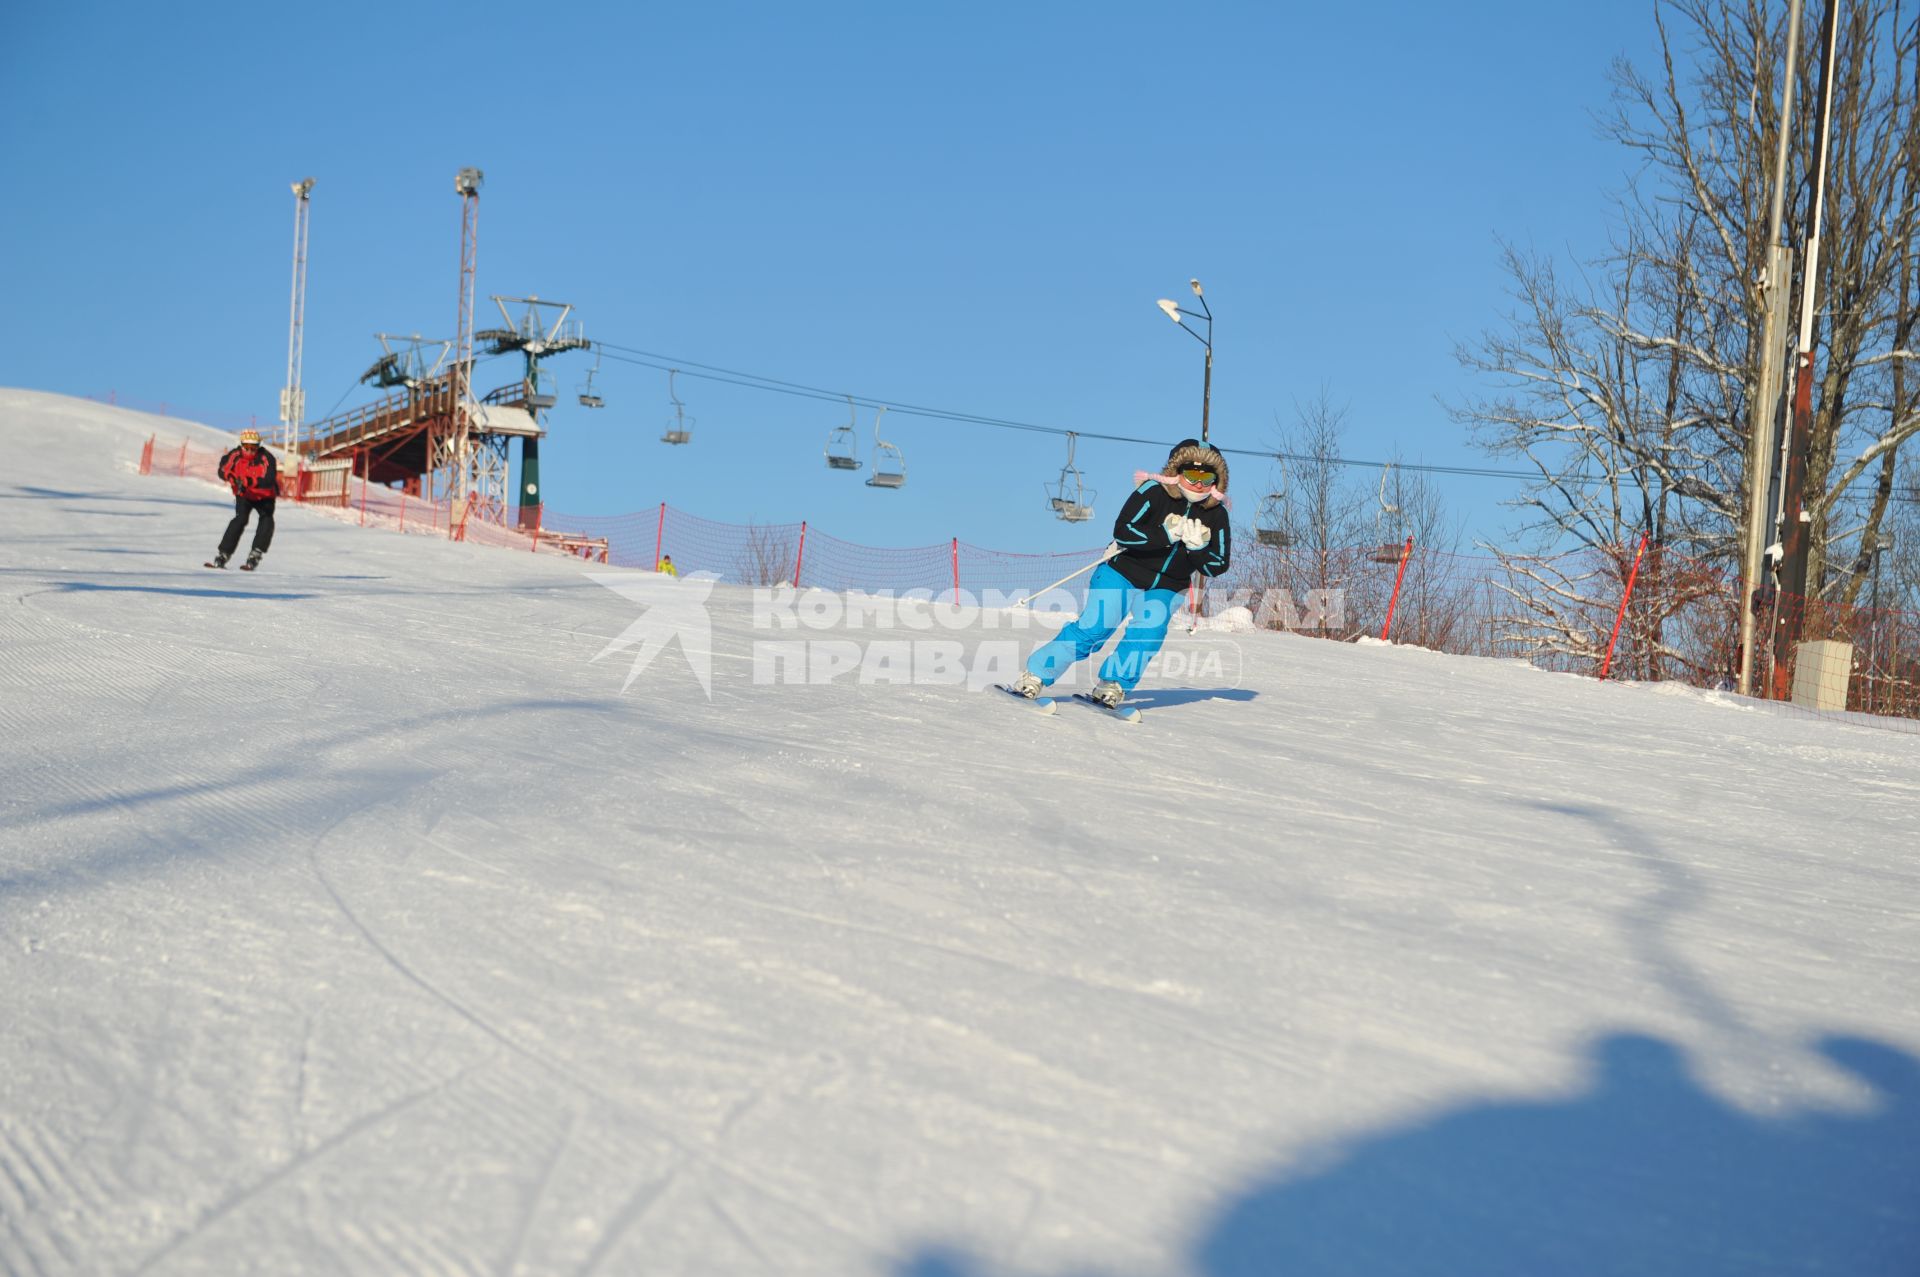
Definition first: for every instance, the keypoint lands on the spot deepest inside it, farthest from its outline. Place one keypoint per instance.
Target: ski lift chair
(1270, 524)
(889, 466)
(540, 395)
(680, 429)
(1386, 525)
(590, 398)
(1074, 511)
(1069, 498)
(840, 444)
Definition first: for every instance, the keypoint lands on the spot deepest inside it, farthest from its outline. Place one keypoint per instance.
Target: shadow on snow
(1645, 1173)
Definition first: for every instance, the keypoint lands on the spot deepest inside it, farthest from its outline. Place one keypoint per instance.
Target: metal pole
(1206, 388)
(1406, 552)
(1795, 523)
(1110, 552)
(466, 183)
(1873, 646)
(1774, 284)
(1626, 597)
(292, 396)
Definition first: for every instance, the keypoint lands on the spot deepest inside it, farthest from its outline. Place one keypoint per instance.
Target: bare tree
(1627, 393)
(1314, 516)
(1324, 513)
(1439, 603)
(765, 558)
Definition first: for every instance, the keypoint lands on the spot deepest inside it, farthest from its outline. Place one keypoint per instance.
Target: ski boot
(1108, 694)
(217, 561)
(253, 561)
(1028, 685)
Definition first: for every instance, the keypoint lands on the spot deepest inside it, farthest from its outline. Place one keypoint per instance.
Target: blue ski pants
(1111, 600)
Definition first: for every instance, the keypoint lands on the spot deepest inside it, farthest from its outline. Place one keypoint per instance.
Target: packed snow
(383, 912)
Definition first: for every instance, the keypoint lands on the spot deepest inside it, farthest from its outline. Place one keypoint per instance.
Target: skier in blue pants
(1111, 602)
(1174, 524)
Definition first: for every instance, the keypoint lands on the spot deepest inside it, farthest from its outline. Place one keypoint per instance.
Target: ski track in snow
(352, 918)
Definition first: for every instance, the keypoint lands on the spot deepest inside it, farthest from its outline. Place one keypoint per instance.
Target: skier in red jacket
(254, 476)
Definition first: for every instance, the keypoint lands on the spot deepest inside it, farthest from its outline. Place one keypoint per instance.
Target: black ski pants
(262, 531)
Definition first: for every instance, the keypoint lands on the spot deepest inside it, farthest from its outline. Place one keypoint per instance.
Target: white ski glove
(1193, 534)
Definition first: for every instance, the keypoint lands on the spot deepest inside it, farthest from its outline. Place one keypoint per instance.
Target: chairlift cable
(753, 381)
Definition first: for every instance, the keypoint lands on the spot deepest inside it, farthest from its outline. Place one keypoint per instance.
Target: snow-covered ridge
(353, 917)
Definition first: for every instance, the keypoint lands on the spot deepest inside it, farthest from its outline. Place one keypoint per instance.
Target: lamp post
(1174, 312)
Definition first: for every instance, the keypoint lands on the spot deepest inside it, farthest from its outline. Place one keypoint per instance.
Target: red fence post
(1406, 552)
(539, 514)
(146, 456)
(800, 554)
(659, 537)
(956, 571)
(183, 459)
(1625, 597)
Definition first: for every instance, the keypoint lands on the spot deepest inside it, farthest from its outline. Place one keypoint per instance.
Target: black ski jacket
(1152, 555)
(254, 477)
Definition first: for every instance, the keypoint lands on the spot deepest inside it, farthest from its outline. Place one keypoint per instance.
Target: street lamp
(1174, 312)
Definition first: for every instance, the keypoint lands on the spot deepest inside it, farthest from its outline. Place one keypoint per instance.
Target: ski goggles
(1198, 477)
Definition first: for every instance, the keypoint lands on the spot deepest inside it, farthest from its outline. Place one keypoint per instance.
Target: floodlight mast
(292, 396)
(467, 184)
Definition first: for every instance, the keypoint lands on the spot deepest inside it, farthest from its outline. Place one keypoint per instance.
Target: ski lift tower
(293, 399)
(542, 330)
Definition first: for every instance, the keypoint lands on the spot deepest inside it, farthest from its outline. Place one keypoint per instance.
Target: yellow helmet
(249, 436)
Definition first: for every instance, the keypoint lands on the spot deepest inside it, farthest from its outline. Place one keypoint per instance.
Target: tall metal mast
(293, 399)
(451, 459)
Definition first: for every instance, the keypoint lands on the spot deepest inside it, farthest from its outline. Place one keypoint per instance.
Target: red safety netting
(1631, 612)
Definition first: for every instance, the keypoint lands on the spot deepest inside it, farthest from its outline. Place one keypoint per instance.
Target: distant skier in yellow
(666, 566)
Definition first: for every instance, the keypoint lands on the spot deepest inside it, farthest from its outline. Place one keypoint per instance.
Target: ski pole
(1110, 552)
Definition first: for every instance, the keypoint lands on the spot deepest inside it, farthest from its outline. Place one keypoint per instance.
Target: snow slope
(353, 919)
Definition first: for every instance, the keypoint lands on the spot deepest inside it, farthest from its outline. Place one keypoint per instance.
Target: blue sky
(971, 207)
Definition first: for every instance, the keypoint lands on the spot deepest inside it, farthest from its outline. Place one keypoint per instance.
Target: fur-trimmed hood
(1194, 453)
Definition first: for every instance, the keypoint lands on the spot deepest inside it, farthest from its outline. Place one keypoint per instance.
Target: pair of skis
(1046, 704)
